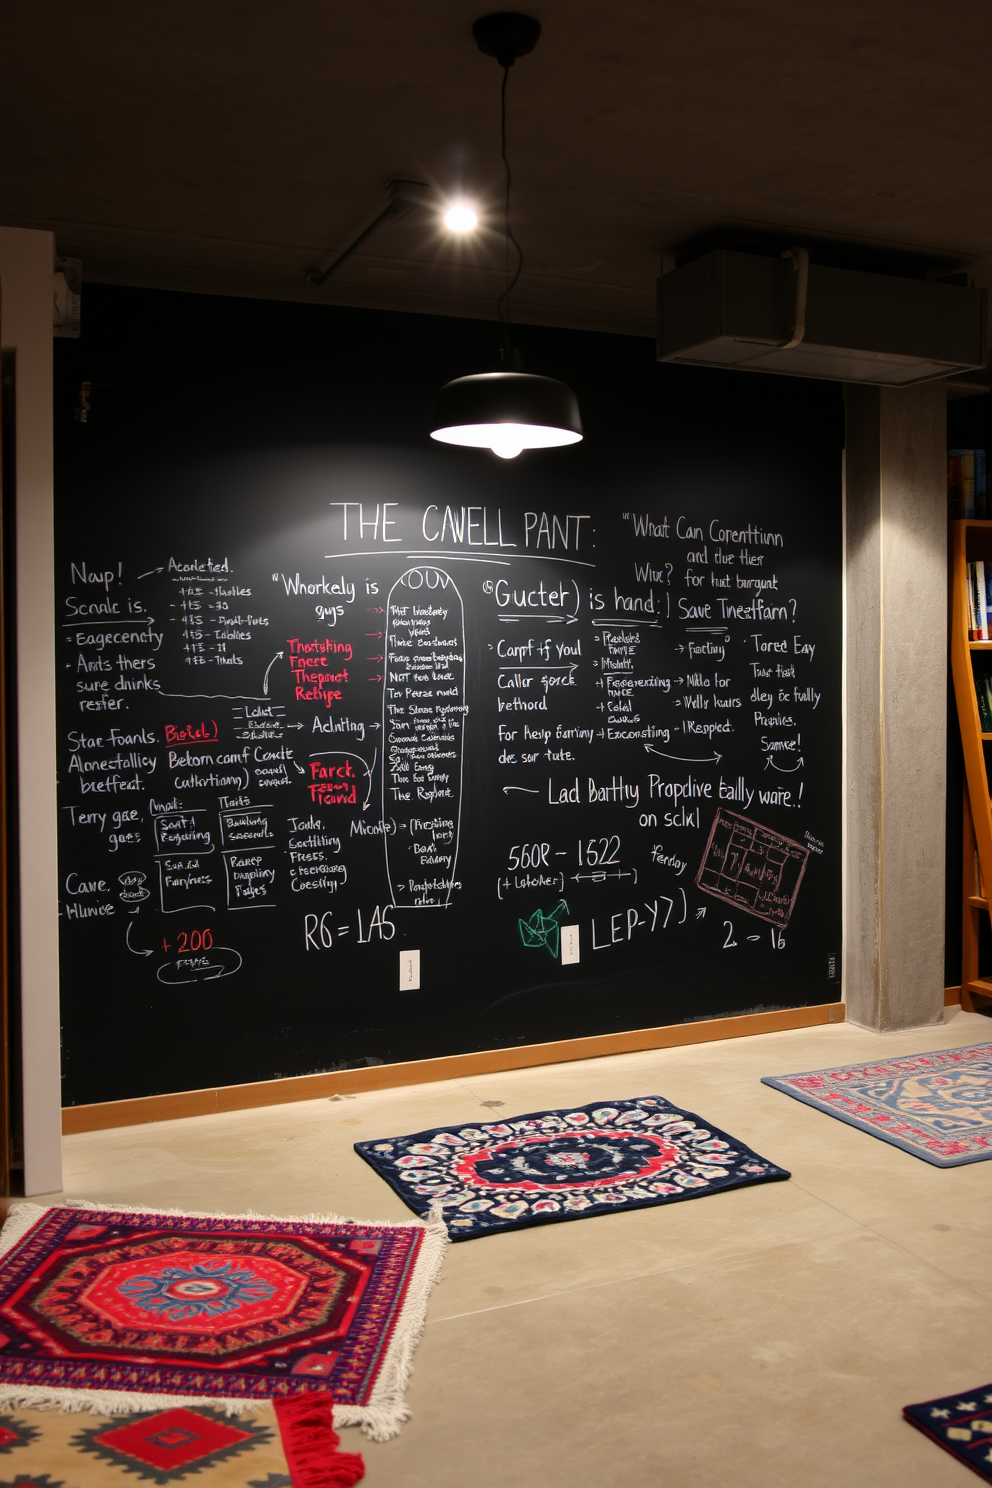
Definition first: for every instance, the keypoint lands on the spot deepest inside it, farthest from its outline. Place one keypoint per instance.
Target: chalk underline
(462, 557)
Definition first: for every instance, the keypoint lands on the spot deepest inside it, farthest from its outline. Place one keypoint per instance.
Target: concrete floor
(767, 1336)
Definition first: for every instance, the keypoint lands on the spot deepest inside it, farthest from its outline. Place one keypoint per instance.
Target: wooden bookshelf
(971, 540)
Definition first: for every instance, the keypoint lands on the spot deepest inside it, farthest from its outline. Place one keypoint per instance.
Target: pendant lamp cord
(503, 304)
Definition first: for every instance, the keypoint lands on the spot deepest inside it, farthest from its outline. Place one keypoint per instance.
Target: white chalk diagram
(423, 732)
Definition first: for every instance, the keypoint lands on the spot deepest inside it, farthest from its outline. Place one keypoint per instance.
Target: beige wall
(26, 286)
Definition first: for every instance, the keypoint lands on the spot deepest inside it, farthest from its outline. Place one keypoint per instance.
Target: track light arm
(403, 197)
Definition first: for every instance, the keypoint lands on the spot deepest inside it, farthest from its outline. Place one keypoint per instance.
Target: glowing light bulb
(507, 441)
(460, 218)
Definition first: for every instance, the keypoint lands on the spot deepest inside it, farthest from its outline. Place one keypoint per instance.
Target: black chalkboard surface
(374, 750)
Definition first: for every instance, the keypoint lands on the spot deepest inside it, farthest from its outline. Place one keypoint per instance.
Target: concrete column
(896, 682)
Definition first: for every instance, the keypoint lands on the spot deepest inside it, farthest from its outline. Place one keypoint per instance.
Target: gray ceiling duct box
(784, 314)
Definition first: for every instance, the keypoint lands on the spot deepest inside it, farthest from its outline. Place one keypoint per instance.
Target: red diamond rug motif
(105, 1305)
(170, 1442)
(186, 1447)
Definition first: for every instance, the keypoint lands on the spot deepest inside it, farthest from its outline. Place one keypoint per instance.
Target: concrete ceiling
(229, 146)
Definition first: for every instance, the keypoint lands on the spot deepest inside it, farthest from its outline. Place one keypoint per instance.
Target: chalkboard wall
(374, 750)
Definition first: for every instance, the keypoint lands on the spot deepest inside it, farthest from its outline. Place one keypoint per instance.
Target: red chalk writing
(333, 785)
(191, 733)
(314, 665)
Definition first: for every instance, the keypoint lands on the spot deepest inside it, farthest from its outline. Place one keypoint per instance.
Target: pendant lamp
(508, 410)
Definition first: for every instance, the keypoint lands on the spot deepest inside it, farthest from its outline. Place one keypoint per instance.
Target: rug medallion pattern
(937, 1106)
(550, 1166)
(182, 1306)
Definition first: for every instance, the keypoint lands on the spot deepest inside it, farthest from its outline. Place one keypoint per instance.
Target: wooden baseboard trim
(423, 1071)
(952, 996)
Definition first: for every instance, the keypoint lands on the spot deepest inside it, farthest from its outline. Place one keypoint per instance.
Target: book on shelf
(978, 611)
(981, 490)
(983, 690)
(966, 483)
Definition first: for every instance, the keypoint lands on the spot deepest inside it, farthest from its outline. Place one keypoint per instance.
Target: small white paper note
(410, 971)
(569, 944)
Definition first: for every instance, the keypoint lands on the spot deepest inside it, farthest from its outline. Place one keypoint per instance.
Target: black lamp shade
(507, 412)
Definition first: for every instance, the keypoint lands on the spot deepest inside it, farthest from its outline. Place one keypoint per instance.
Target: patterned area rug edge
(381, 1418)
(960, 1426)
(786, 1085)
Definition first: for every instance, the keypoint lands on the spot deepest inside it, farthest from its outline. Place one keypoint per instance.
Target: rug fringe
(110, 1402)
(387, 1411)
(20, 1218)
(20, 1205)
(380, 1420)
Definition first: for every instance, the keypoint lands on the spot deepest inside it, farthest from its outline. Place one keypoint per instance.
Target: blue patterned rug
(961, 1424)
(550, 1166)
(937, 1106)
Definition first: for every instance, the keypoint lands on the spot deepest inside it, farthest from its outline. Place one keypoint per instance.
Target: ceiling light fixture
(461, 218)
(510, 410)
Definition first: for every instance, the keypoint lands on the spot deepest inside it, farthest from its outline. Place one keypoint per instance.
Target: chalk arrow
(300, 768)
(150, 572)
(374, 610)
(373, 635)
(265, 683)
(689, 759)
(376, 678)
(375, 725)
(781, 768)
(131, 948)
(507, 789)
(296, 725)
(373, 658)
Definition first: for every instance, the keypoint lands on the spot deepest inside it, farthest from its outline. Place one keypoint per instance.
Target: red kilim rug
(119, 1310)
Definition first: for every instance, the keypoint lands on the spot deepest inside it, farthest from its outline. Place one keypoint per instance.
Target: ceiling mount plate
(506, 35)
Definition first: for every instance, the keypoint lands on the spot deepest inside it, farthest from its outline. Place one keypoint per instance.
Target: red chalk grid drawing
(752, 867)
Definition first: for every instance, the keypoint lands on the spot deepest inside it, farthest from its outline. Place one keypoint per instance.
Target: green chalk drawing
(543, 929)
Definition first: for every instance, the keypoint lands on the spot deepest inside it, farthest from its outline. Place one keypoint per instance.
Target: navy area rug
(573, 1163)
(961, 1424)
